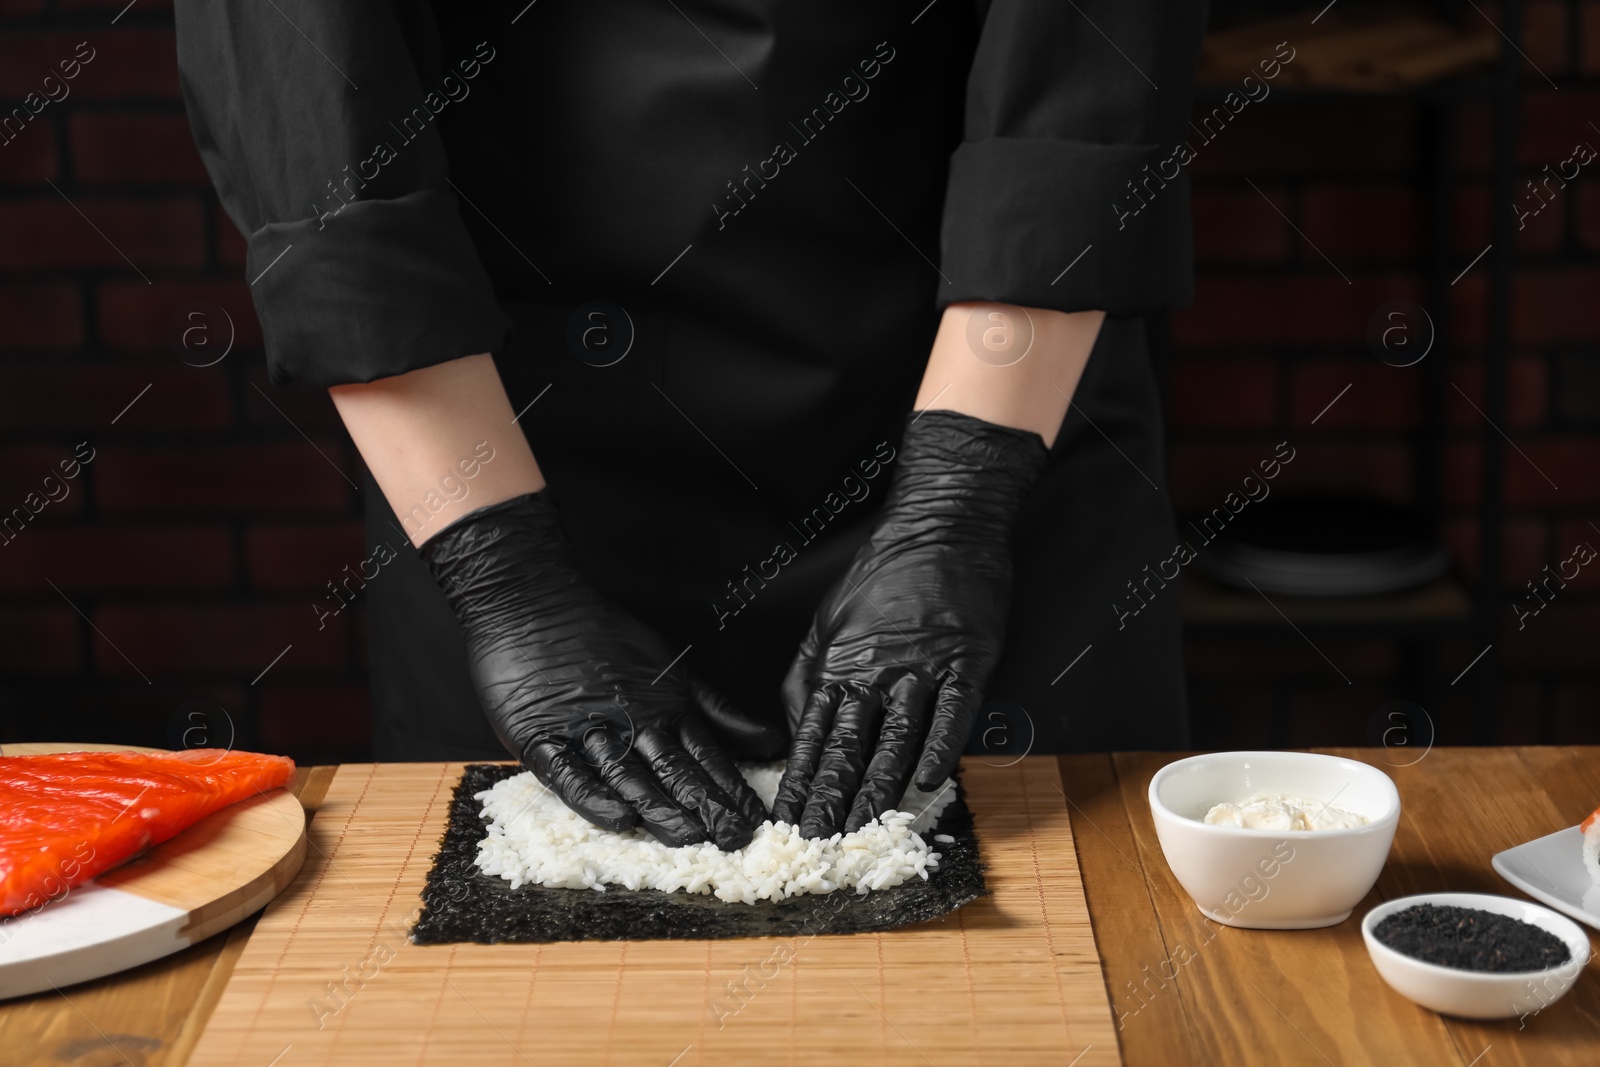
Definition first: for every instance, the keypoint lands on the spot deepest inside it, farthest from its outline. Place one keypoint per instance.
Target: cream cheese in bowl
(1283, 811)
(1247, 865)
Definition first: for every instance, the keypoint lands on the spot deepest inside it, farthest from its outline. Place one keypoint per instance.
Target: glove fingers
(844, 761)
(566, 774)
(905, 721)
(805, 752)
(686, 782)
(797, 683)
(626, 773)
(699, 743)
(953, 714)
(741, 735)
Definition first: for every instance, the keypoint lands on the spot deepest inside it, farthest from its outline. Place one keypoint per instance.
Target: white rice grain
(534, 838)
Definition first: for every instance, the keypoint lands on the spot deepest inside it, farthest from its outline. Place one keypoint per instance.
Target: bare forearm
(1008, 365)
(425, 436)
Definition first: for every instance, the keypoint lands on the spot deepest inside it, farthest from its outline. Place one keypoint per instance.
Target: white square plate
(1551, 869)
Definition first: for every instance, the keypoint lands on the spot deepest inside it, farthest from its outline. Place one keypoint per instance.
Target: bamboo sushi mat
(328, 976)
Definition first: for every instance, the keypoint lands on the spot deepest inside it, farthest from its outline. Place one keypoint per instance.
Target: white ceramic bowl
(1273, 879)
(1478, 994)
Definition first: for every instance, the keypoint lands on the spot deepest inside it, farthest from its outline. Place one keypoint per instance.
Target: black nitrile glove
(892, 673)
(588, 697)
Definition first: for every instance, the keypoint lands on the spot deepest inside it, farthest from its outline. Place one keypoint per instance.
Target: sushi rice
(535, 838)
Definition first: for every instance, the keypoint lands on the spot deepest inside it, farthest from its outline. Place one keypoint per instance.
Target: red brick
(1541, 231)
(1589, 46)
(135, 317)
(314, 717)
(48, 233)
(1315, 307)
(118, 148)
(27, 56)
(1577, 400)
(1570, 535)
(1553, 123)
(1469, 308)
(211, 639)
(118, 558)
(311, 410)
(1463, 474)
(1571, 463)
(1559, 637)
(87, 398)
(1544, 36)
(283, 477)
(1523, 548)
(1568, 462)
(1587, 213)
(1528, 381)
(41, 317)
(1238, 226)
(231, 245)
(1578, 714)
(1351, 138)
(1556, 304)
(1474, 134)
(23, 469)
(306, 557)
(1203, 474)
(40, 641)
(1379, 397)
(1230, 393)
(126, 62)
(28, 157)
(1361, 223)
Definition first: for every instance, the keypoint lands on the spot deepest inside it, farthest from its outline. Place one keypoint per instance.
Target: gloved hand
(892, 673)
(586, 695)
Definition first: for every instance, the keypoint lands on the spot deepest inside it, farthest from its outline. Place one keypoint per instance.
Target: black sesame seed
(1471, 939)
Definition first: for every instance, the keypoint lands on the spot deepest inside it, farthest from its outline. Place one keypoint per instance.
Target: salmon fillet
(67, 817)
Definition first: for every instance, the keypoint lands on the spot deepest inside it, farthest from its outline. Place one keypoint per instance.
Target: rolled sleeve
(1060, 123)
(358, 270)
(385, 287)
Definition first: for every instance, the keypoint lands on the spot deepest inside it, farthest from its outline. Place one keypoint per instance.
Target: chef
(749, 378)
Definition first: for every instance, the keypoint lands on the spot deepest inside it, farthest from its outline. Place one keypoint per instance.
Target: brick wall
(1275, 333)
(183, 558)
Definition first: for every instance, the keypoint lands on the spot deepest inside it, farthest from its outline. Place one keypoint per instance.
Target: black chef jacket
(760, 205)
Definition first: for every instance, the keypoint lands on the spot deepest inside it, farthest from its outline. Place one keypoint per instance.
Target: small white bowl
(1273, 879)
(1478, 994)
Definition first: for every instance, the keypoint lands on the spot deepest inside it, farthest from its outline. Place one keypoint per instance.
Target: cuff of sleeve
(381, 288)
(1054, 224)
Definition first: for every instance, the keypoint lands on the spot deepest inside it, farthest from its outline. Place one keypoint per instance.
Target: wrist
(965, 468)
(515, 541)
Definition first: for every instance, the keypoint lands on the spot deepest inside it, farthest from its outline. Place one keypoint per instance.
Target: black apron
(775, 332)
(746, 201)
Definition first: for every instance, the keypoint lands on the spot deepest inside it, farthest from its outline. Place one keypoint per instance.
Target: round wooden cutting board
(221, 869)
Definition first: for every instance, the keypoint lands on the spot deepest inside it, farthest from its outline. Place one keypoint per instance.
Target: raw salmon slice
(67, 817)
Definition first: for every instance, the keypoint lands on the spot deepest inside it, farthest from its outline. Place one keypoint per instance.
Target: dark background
(217, 508)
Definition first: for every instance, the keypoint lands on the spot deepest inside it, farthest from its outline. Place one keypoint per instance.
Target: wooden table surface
(1241, 997)
(1312, 996)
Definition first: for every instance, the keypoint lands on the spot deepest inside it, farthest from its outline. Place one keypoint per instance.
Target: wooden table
(1245, 996)
(1312, 996)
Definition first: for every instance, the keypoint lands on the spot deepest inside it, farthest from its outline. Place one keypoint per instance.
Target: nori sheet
(461, 903)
